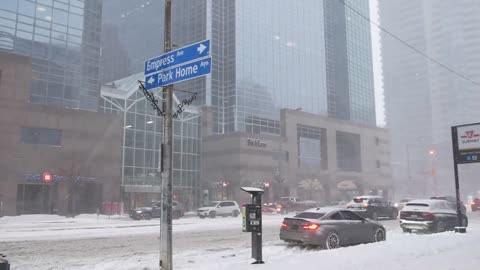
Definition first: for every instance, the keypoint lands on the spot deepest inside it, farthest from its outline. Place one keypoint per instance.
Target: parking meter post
(252, 221)
(257, 235)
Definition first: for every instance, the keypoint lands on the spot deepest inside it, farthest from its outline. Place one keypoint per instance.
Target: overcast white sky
(377, 64)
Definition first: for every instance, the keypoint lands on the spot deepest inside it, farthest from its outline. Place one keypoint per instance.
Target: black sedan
(155, 211)
(330, 228)
(373, 207)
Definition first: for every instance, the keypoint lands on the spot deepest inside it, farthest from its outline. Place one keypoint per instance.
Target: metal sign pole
(166, 226)
(455, 168)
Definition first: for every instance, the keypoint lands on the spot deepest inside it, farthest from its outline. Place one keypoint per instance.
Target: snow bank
(401, 251)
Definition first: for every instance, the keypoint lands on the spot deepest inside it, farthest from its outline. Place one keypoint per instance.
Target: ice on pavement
(48, 227)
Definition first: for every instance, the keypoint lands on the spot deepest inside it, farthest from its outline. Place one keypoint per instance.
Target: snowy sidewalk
(445, 251)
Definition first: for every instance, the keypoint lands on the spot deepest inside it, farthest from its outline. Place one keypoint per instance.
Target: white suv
(219, 208)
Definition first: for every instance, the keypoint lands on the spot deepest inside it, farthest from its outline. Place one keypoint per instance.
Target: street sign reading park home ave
(183, 64)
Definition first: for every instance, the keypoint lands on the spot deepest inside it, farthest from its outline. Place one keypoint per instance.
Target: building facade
(77, 149)
(63, 40)
(316, 158)
(143, 135)
(261, 62)
(422, 99)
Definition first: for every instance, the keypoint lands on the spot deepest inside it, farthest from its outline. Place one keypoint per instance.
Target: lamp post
(432, 154)
(408, 170)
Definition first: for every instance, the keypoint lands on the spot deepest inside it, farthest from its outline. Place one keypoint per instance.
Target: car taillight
(427, 215)
(284, 225)
(403, 214)
(311, 226)
(365, 205)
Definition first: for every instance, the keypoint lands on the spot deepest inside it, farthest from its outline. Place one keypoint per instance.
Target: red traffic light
(47, 177)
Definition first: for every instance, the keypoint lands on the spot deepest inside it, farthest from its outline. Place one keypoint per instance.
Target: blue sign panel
(173, 58)
(177, 74)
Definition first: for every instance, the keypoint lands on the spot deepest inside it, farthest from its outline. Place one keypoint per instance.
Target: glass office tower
(263, 62)
(63, 39)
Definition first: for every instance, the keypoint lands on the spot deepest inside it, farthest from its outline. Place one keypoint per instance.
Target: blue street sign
(177, 57)
(177, 74)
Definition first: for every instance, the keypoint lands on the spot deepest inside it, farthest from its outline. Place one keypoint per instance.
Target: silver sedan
(331, 228)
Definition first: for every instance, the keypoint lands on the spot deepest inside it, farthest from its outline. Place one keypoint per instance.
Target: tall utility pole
(408, 171)
(166, 262)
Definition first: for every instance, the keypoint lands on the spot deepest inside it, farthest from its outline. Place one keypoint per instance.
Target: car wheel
(464, 221)
(374, 216)
(176, 215)
(379, 235)
(212, 214)
(441, 227)
(394, 214)
(405, 230)
(235, 213)
(146, 216)
(332, 241)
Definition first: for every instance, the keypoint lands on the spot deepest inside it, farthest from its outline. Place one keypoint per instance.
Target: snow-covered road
(51, 242)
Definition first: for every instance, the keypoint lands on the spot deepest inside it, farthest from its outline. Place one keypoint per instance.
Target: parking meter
(252, 215)
(252, 221)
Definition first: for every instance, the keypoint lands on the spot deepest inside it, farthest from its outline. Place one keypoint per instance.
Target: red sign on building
(47, 177)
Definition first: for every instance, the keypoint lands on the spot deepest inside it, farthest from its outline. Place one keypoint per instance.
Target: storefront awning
(346, 185)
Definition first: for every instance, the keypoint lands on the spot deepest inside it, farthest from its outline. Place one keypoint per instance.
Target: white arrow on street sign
(151, 80)
(201, 48)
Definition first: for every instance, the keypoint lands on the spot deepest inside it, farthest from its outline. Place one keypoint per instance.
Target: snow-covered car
(452, 201)
(429, 215)
(156, 210)
(400, 204)
(330, 228)
(372, 207)
(219, 208)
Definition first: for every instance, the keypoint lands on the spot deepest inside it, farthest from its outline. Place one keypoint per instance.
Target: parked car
(155, 211)
(330, 228)
(475, 204)
(400, 204)
(453, 201)
(429, 215)
(372, 207)
(271, 208)
(219, 208)
(453, 204)
(291, 204)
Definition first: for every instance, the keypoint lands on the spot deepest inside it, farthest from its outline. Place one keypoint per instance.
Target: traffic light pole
(166, 262)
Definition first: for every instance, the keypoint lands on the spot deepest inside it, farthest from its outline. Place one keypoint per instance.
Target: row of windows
(45, 136)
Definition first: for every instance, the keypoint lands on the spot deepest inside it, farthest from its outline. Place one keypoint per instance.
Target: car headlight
(138, 212)
(396, 205)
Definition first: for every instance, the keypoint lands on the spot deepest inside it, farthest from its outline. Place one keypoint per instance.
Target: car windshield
(310, 215)
(360, 200)
(418, 204)
(160, 134)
